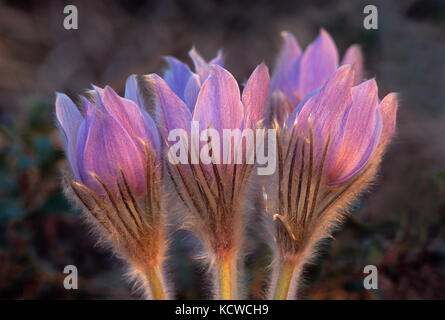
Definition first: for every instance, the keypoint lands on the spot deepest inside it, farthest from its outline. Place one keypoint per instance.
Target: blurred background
(399, 226)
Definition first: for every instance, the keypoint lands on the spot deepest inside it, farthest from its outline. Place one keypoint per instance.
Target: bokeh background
(399, 226)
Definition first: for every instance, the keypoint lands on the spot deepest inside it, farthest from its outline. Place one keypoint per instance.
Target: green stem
(226, 278)
(155, 283)
(286, 271)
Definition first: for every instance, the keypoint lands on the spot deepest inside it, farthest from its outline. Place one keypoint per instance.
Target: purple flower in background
(186, 83)
(298, 73)
(107, 140)
(329, 151)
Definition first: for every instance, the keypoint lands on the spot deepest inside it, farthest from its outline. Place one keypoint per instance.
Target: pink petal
(354, 56)
(325, 110)
(174, 114)
(218, 104)
(255, 96)
(319, 61)
(285, 73)
(202, 67)
(108, 149)
(361, 133)
(219, 59)
(136, 121)
(388, 111)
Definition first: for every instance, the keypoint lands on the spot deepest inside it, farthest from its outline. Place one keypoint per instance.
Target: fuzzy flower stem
(286, 271)
(154, 278)
(226, 277)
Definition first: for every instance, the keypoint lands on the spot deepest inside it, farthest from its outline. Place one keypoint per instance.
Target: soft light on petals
(202, 67)
(285, 74)
(325, 110)
(354, 56)
(174, 113)
(388, 110)
(108, 149)
(361, 133)
(132, 118)
(69, 120)
(132, 91)
(255, 95)
(218, 105)
(177, 76)
(219, 59)
(319, 61)
(191, 91)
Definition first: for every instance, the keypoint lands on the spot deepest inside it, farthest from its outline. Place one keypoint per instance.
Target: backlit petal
(319, 61)
(255, 95)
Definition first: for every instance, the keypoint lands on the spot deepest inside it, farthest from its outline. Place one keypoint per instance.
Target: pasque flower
(329, 150)
(113, 151)
(186, 83)
(298, 73)
(214, 194)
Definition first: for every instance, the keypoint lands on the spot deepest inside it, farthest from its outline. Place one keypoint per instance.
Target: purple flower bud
(185, 83)
(299, 73)
(351, 118)
(113, 136)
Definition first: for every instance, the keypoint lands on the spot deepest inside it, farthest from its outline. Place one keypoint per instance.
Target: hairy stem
(287, 272)
(155, 282)
(226, 274)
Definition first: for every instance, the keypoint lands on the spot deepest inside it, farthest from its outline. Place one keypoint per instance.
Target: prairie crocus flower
(214, 193)
(328, 153)
(113, 152)
(298, 73)
(184, 82)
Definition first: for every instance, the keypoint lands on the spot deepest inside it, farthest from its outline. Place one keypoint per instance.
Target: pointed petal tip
(370, 84)
(286, 35)
(131, 77)
(344, 71)
(324, 33)
(263, 66)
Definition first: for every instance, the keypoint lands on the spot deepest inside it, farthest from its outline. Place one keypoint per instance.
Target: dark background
(399, 226)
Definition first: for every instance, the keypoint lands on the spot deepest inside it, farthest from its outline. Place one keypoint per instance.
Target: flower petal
(136, 121)
(191, 91)
(108, 149)
(174, 114)
(285, 74)
(319, 61)
(325, 110)
(177, 76)
(219, 59)
(69, 120)
(362, 131)
(281, 107)
(388, 110)
(354, 56)
(255, 95)
(132, 91)
(202, 68)
(218, 105)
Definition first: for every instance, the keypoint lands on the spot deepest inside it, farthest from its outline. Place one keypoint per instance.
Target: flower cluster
(329, 132)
